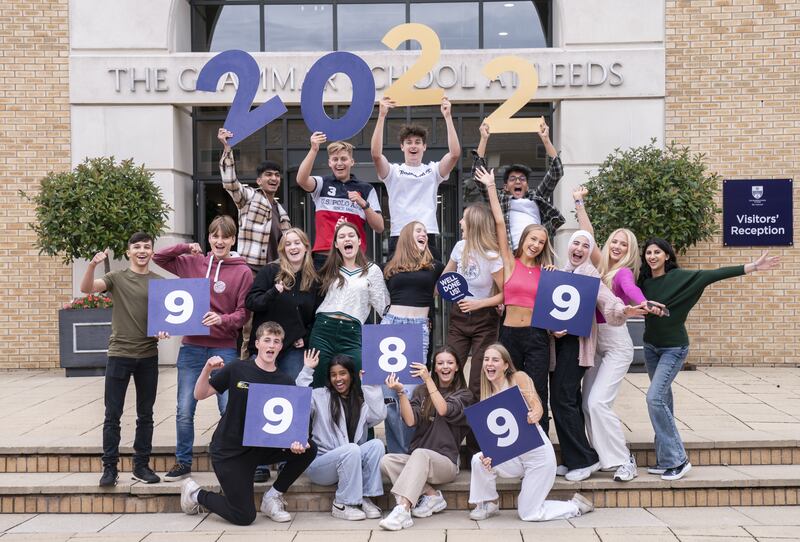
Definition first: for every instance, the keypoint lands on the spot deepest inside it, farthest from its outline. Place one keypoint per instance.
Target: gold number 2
(500, 122)
(403, 91)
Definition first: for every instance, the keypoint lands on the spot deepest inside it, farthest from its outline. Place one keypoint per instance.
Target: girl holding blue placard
(411, 277)
(341, 414)
(537, 467)
(666, 342)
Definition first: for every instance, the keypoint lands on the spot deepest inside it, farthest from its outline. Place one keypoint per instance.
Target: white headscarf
(587, 258)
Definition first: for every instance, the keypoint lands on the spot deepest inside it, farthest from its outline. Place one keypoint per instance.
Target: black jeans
(565, 398)
(433, 240)
(530, 351)
(236, 503)
(145, 377)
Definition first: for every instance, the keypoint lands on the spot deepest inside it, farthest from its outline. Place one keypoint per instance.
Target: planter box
(83, 340)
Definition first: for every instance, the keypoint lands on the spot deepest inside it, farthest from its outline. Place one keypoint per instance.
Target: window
(512, 25)
(456, 23)
(298, 27)
(360, 27)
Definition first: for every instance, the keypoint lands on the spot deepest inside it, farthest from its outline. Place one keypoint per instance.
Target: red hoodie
(229, 303)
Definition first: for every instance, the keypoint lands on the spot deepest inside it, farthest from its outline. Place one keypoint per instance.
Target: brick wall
(35, 131)
(733, 92)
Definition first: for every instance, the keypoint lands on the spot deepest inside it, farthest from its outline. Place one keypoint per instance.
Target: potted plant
(97, 205)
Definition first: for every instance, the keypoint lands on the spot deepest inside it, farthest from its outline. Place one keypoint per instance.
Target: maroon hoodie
(229, 303)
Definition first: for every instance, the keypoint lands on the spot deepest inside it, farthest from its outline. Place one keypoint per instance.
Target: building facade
(87, 78)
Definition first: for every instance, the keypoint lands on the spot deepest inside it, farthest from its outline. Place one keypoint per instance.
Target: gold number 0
(500, 122)
(403, 91)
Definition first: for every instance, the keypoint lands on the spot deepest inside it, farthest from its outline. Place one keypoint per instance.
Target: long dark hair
(355, 398)
(329, 272)
(671, 263)
(459, 382)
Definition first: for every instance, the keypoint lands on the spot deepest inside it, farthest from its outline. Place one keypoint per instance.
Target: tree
(97, 205)
(655, 193)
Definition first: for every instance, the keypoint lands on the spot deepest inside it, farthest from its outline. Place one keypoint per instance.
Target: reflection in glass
(304, 27)
(361, 26)
(247, 153)
(236, 27)
(456, 23)
(509, 25)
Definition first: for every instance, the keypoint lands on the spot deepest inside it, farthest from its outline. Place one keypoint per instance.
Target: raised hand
(580, 193)
(544, 131)
(317, 138)
(385, 105)
(224, 135)
(484, 130)
(766, 262)
(393, 383)
(99, 257)
(446, 107)
(311, 358)
(419, 370)
(195, 248)
(215, 362)
(484, 177)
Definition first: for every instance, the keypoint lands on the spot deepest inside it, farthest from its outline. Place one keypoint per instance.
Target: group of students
(308, 305)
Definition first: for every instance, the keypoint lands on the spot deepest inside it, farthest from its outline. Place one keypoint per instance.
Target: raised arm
(482, 144)
(89, 284)
(449, 160)
(406, 412)
(486, 178)
(203, 388)
(555, 170)
(227, 171)
(376, 145)
(583, 219)
(304, 178)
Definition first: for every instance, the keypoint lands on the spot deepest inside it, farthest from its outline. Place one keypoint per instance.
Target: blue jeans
(398, 434)
(356, 469)
(191, 360)
(290, 361)
(663, 365)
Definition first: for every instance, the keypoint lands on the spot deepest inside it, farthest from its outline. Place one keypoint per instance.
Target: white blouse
(358, 293)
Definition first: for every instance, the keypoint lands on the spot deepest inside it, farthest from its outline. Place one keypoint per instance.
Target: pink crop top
(520, 288)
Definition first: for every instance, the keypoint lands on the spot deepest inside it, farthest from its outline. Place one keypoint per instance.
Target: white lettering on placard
(278, 421)
(392, 348)
(180, 313)
(764, 230)
(565, 308)
(508, 431)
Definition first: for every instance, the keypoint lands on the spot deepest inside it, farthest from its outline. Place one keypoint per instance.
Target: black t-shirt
(414, 288)
(235, 378)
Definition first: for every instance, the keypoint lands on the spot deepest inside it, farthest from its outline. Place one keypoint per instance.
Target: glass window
(235, 27)
(361, 26)
(456, 23)
(303, 27)
(510, 25)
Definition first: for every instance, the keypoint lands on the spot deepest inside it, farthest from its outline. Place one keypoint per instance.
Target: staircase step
(703, 486)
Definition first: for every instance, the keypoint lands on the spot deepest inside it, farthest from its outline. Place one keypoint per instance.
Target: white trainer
(345, 511)
(189, 504)
(275, 508)
(370, 509)
(429, 505)
(399, 518)
(584, 505)
(576, 475)
(627, 471)
(484, 510)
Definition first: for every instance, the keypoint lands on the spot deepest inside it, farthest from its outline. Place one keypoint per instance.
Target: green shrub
(655, 193)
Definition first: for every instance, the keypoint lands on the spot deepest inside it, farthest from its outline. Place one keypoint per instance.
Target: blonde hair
(480, 237)
(631, 260)
(407, 256)
(286, 272)
(546, 256)
(486, 386)
(337, 146)
(223, 224)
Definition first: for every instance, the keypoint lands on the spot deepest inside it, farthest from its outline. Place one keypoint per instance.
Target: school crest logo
(757, 191)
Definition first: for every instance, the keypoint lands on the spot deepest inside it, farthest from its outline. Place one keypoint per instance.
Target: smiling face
(340, 379)
(618, 247)
(445, 366)
(140, 253)
(516, 184)
(533, 244)
(420, 236)
(655, 258)
(413, 148)
(269, 346)
(340, 163)
(294, 249)
(494, 367)
(578, 250)
(220, 245)
(347, 242)
(269, 181)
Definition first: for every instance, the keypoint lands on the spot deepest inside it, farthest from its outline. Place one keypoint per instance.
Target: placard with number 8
(391, 349)
(177, 306)
(565, 301)
(276, 416)
(500, 424)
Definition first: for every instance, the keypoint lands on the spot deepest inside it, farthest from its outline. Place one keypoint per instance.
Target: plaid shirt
(255, 215)
(552, 219)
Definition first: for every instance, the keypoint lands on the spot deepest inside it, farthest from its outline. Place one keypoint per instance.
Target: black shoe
(145, 474)
(262, 474)
(179, 471)
(676, 473)
(110, 476)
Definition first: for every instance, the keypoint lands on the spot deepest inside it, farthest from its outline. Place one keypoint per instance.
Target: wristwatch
(366, 205)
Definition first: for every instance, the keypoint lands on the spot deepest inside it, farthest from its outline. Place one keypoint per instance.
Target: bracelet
(578, 202)
(366, 206)
(434, 391)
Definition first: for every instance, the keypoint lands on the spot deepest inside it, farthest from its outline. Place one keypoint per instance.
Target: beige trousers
(412, 475)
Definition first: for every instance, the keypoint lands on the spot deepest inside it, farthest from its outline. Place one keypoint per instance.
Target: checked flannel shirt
(255, 215)
(552, 219)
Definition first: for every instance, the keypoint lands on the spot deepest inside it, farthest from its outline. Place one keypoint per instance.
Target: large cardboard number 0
(500, 122)
(403, 91)
(240, 120)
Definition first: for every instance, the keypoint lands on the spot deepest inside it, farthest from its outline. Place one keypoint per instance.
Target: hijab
(582, 268)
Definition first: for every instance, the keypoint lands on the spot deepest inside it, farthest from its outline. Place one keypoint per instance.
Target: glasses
(515, 178)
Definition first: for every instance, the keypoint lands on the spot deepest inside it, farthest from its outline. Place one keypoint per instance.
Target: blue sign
(387, 349)
(757, 213)
(452, 287)
(276, 415)
(177, 306)
(500, 424)
(565, 301)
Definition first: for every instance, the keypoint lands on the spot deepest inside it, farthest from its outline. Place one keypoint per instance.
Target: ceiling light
(502, 33)
(508, 5)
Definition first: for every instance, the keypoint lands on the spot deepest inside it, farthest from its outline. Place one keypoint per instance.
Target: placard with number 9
(565, 301)
(500, 424)
(177, 306)
(276, 415)
(391, 349)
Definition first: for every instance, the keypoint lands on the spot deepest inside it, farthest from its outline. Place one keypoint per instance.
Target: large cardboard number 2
(240, 120)
(403, 91)
(500, 122)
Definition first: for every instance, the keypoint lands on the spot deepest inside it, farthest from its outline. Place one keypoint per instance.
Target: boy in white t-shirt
(413, 185)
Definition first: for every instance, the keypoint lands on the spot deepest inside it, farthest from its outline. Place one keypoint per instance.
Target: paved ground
(43, 408)
(738, 524)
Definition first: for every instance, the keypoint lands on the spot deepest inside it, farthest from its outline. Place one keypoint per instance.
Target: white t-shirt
(478, 271)
(412, 195)
(522, 213)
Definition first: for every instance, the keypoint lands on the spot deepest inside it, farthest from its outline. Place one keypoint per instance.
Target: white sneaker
(656, 470)
(561, 470)
(584, 505)
(484, 510)
(189, 505)
(275, 509)
(576, 475)
(345, 511)
(627, 471)
(399, 518)
(370, 509)
(429, 505)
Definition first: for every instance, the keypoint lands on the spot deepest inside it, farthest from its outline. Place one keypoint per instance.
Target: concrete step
(704, 486)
